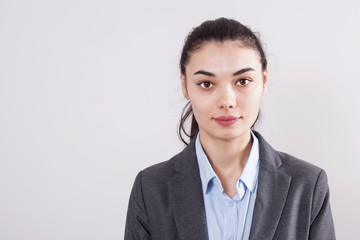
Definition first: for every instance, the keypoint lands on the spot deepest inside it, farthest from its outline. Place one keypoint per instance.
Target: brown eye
(243, 82)
(206, 85)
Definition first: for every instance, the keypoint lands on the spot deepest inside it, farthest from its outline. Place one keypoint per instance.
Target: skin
(213, 90)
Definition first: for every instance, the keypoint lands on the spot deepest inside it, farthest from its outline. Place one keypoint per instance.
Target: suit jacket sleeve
(322, 226)
(137, 224)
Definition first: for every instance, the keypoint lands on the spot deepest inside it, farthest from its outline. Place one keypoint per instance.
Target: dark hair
(219, 30)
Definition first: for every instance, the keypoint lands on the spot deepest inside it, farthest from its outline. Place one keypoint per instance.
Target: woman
(228, 183)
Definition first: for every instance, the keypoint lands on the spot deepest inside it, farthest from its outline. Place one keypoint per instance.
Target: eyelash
(201, 84)
(244, 79)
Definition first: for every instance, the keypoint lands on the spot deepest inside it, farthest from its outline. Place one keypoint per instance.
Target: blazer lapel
(186, 199)
(273, 187)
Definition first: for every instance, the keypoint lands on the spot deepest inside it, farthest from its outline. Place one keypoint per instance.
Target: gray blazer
(292, 201)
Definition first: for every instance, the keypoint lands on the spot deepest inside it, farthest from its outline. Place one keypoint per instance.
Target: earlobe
(183, 86)
(265, 81)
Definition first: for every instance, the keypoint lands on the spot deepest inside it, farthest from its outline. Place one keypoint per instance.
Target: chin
(229, 135)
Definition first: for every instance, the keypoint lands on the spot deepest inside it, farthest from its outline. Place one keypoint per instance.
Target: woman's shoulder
(183, 161)
(298, 168)
(160, 171)
(287, 163)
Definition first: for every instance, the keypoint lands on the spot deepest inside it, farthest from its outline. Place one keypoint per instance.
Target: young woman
(228, 183)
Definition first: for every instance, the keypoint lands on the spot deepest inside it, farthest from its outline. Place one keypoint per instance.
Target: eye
(206, 85)
(243, 82)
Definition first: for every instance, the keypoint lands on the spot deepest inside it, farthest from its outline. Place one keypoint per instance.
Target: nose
(227, 98)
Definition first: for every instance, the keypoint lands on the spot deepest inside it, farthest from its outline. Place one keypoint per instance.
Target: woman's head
(220, 30)
(223, 73)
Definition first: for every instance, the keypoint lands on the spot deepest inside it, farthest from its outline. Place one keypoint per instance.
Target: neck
(227, 157)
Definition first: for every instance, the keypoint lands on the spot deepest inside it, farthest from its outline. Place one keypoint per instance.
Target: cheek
(200, 107)
(200, 102)
(249, 102)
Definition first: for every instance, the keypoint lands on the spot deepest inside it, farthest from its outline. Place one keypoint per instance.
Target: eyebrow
(209, 74)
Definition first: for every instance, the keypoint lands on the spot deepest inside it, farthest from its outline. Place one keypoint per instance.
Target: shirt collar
(207, 173)
(249, 175)
(251, 171)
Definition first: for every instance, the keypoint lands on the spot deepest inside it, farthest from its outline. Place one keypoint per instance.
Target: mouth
(226, 120)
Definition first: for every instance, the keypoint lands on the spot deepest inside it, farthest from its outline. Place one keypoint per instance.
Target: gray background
(90, 95)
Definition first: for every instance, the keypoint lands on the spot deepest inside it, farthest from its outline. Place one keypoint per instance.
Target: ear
(183, 86)
(265, 81)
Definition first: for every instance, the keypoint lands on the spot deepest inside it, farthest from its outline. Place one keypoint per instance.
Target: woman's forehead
(223, 57)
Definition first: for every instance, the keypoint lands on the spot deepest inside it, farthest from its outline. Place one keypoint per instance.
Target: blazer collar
(273, 187)
(186, 199)
(185, 193)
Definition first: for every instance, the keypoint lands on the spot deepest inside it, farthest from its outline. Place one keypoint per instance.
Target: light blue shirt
(229, 218)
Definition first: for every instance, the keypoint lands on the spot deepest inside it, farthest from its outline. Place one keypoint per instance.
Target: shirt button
(230, 203)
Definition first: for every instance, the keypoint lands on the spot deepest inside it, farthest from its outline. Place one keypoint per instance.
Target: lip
(226, 120)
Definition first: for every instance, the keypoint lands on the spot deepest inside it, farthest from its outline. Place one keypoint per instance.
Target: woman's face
(224, 83)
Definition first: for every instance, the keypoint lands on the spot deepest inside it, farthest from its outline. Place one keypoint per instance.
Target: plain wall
(90, 95)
